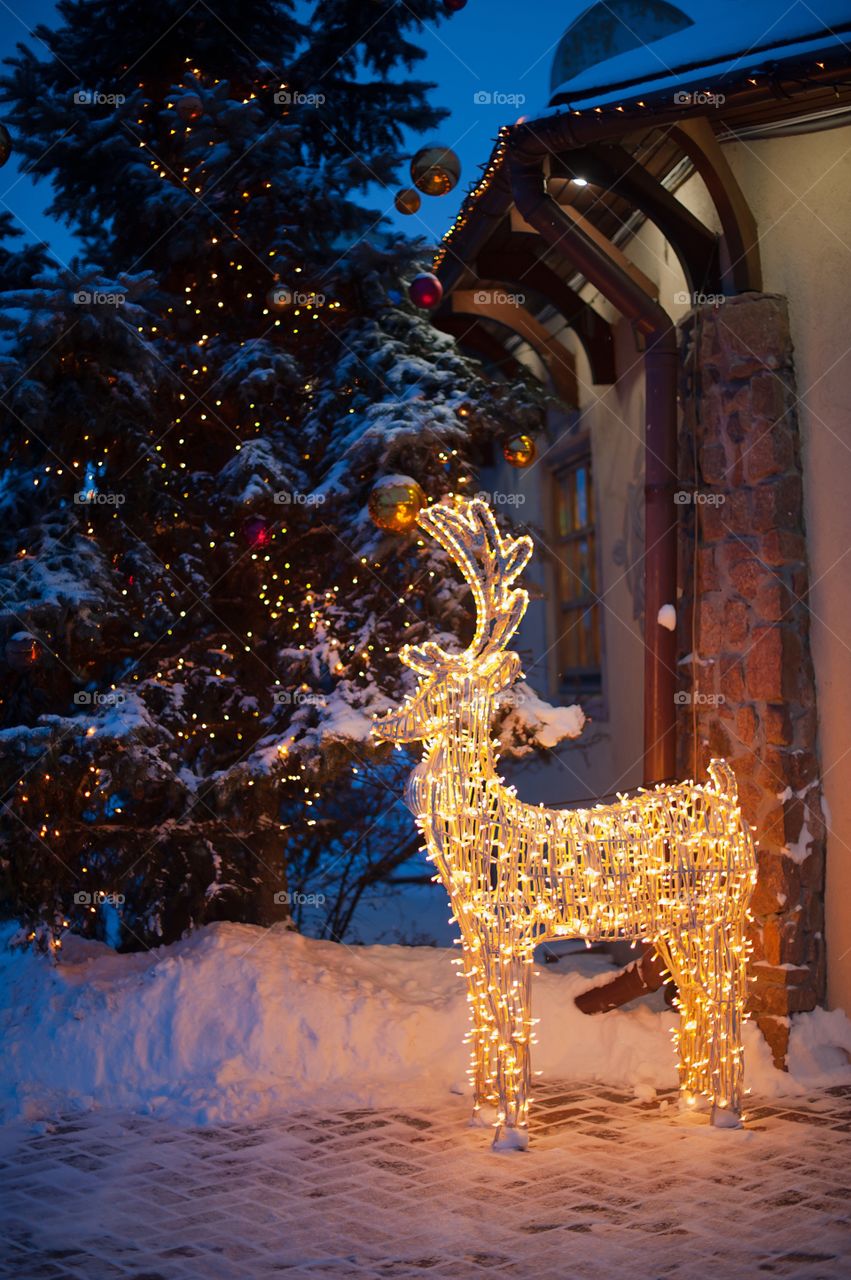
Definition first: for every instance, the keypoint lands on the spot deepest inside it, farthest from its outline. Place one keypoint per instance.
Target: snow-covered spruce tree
(218, 619)
(76, 394)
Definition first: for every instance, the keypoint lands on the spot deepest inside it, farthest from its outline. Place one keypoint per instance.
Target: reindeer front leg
(483, 1035)
(509, 996)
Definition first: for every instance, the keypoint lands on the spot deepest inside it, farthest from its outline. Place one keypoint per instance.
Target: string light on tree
(674, 866)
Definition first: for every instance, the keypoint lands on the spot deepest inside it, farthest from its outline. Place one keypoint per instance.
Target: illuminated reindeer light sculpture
(674, 865)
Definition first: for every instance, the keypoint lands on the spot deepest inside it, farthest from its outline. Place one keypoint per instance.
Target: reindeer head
(467, 532)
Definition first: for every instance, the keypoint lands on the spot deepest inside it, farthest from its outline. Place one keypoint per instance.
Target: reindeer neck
(464, 745)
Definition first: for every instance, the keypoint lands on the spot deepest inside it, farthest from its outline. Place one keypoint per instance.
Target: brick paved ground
(611, 1186)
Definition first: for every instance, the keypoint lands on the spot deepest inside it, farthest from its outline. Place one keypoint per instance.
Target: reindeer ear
(425, 659)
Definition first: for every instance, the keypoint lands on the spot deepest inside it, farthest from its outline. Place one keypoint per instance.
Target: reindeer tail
(722, 780)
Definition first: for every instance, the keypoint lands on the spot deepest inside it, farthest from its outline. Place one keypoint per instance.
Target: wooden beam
(638, 277)
(612, 169)
(558, 361)
(517, 264)
(698, 141)
(471, 334)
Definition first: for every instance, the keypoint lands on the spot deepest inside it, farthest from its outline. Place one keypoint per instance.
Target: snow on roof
(630, 48)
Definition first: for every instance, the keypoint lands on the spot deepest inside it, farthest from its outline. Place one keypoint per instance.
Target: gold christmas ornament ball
(22, 651)
(190, 107)
(395, 502)
(435, 170)
(5, 144)
(407, 201)
(519, 450)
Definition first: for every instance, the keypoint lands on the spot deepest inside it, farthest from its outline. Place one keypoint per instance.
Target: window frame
(592, 698)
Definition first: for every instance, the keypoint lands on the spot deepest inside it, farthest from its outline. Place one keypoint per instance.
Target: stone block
(777, 724)
(770, 997)
(770, 396)
(732, 679)
(707, 571)
(785, 942)
(752, 336)
(736, 624)
(710, 633)
(713, 463)
(782, 547)
(777, 505)
(712, 521)
(770, 451)
(747, 725)
(744, 567)
(764, 665)
(776, 1033)
(772, 827)
(773, 601)
(778, 883)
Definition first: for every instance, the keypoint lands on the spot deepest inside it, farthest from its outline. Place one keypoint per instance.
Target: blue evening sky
(490, 62)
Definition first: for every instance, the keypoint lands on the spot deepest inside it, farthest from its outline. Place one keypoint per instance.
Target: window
(605, 30)
(578, 613)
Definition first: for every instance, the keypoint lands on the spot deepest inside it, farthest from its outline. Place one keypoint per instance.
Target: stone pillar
(748, 688)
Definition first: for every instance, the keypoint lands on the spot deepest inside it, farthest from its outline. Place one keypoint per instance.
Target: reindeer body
(674, 865)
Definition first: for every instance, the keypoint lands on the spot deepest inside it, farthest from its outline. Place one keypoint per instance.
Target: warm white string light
(674, 865)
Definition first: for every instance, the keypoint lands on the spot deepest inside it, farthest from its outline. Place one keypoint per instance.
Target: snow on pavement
(611, 1186)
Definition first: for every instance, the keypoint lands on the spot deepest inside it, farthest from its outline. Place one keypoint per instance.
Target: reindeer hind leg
(711, 981)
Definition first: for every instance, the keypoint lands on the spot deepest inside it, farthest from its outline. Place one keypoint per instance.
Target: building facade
(669, 251)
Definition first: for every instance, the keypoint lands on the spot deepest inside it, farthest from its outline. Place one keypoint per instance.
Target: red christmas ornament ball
(454, 6)
(425, 290)
(190, 107)
(255, 530)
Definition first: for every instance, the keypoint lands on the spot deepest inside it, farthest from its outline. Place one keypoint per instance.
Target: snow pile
(667, 617)
(531, 722)
(236, 1022)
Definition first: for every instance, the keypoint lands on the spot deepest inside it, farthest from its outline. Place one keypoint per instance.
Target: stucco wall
(609, 754)
(799, 191)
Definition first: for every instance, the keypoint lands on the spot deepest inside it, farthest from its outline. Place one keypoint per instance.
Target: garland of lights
(796, 73)
(466, 210)
(674, 865)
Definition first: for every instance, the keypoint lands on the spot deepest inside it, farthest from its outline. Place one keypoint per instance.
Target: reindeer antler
(490, 563)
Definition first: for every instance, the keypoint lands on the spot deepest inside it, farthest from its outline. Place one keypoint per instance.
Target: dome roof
(618, 49)
(607, 29)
